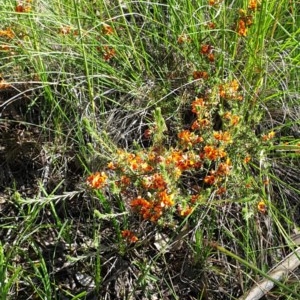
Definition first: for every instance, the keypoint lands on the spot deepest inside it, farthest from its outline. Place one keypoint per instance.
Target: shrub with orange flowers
(151, 180)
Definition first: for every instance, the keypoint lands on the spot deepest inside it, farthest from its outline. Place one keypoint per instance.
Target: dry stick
(272, 278)
(278, 272)
(288, 264)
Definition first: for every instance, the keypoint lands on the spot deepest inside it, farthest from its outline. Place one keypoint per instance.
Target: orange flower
(188, 161)
(266, 182)
(3, 84)
(23, 7)
(248, 20)
(229, 90)
(185, 136)
(200, 75)
(241, 28)
(211, 25)
(97, 180)
(134, 161)
(210, 179)
(223, 169)
(195, 198)
(210, 152)
(174, 156)
(221, 190)
(206, 49)
(197, 105)
(111, 165)
(227, 115)
(183, 39)
(109, 53)
(145, 167)
(125, 180)
(213, 153)
(139, 201)
(195, 125)
(5, 48)
(262, 207)
(211, 57)
(253, 5)
(214, 2)
(233, 86)
(129, 236)
(148, 133)
(234, 120)
(165, 199)
(155, 216)
(222, 136)
(107, 30)
(247, 159)
(156, 181)
(184, 212)
(269, 136)
(8, 33)
(65, 30)
(149, 210)
(189, 138)
(204, 123)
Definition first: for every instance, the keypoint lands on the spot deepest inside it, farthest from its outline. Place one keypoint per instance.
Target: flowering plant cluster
(155, 182)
